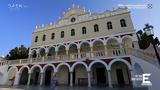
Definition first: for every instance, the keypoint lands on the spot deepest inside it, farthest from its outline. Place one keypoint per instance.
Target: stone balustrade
(147, 56)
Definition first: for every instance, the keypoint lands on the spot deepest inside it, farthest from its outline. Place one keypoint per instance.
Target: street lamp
(148, 30)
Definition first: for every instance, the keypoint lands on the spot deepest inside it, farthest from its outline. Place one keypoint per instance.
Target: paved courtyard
(66, 88)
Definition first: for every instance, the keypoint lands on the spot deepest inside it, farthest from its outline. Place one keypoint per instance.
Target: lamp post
(148, 30)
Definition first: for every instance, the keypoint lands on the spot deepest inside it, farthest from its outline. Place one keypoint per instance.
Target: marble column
(109, 79)
(71, 79)
(41, 80)
(29, 79)
(89, 79)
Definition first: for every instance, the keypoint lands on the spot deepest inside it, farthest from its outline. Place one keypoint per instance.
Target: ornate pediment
(74, 11)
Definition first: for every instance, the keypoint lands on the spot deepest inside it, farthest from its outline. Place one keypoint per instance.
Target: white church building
(84, 49)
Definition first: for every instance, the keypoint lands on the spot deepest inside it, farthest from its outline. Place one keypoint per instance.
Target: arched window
(96, 28)
(109, 25)
(62, 34)
(123, 23)
(72, 32)
(36, 39)
(53, 36)
(83, 30)
(44, 38)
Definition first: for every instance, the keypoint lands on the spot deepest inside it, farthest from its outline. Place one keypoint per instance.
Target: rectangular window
(109, 25)
(84, 30)
(52, 36)
(72, 32)
(36, 39)
(44, 38)
(62, 34)
(96, 28)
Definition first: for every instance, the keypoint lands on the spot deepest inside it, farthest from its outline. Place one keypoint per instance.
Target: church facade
(83, 48)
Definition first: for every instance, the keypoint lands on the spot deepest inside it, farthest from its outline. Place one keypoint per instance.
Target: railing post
(92, 55)
(79, 53)
(31, 60)
(20, 61)
(43, 58)
(105, 50)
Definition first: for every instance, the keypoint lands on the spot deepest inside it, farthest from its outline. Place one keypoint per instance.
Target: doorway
(36, 78)
(120, 77)
(101, 76)
(48, 77)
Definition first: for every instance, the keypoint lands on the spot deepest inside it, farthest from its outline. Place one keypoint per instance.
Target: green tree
(18, 53)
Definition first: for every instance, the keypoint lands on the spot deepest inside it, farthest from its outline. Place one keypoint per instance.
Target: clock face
(73, 19)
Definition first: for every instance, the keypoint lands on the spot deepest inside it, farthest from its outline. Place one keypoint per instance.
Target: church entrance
(120, 77)
(101, 76)
(48, 74)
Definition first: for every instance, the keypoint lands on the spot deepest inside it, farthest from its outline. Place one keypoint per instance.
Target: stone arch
(127, 42)
(34, 54)
(113, 47)
(77, 63)
(99, 72)
(35, 74)
(47, 65)
(11, 74)
(51, 51)
(120, 72)
(61, 50)
(35, 67)
(63, 70)
(63, 64)
(21, 69)
(42, 52)
(120, 60)
(85, 46)
(73, 48)
(98, 61)
(12, 67)
(112, 42)
(98, 40)
(113, 38)
(79, 70)
(84, 42)
(48, 71)
(98, 45)
(24, 75)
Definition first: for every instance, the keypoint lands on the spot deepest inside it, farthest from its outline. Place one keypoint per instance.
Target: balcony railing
(149, 57)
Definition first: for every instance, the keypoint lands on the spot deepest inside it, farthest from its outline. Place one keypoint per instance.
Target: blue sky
(17, 25)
